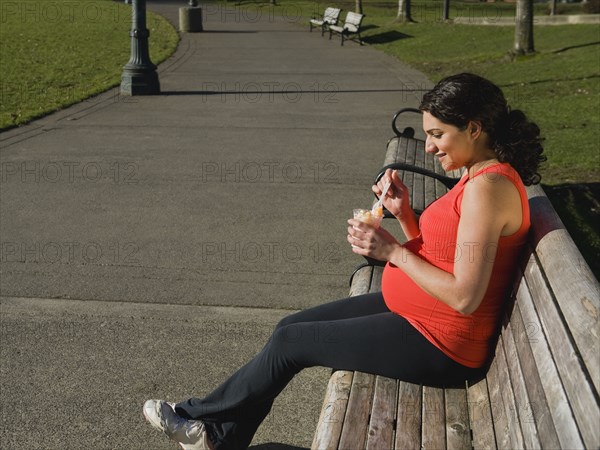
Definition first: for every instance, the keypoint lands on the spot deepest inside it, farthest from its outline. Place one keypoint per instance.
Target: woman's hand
(371, 242)
(396, 199)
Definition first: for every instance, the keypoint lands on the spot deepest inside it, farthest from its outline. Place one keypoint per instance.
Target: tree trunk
(552, 7)
(404, 11)
(358, 8)
(524, 28)
(446, 11)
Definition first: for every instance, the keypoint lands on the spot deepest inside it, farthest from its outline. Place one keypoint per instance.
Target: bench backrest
(543, 384)
(331, 15)
(353, 21)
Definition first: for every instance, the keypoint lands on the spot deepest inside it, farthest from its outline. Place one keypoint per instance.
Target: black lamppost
(139, 74)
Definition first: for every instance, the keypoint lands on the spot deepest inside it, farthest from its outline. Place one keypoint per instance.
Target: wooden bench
(350, 28)
(541, 390)
(330, 17)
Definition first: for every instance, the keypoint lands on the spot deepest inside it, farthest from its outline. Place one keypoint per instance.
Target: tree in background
(523, 44)
(404, 14)
(358, 8)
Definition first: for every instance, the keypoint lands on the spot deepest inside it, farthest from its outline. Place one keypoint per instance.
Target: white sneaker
(190, 434)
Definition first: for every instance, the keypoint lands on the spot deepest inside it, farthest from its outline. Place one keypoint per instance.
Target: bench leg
(330, 33)
(342, 38)
(322, 30)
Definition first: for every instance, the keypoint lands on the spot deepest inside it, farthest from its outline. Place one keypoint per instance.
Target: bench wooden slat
(376, 279)
(355, 426)
(574, 380)
(381, 426)
(408, 421)
(496, 405)
(430, 187)
(391, 153)
(411, 149)
(433, 433)
(480, 416)
(509, 402)
(528, 337)
(559, 412)
(500, 412)
(458, 430)
(418, 198)
(524, 405)
(428, 161)
(575, 287)
(333, 411)
(408, 177)
(440, 189)
(434, 165)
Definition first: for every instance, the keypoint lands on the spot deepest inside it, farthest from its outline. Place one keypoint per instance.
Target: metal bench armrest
(408, 131)
(447, 181)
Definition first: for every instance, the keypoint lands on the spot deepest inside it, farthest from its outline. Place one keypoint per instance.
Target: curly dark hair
(459, 99)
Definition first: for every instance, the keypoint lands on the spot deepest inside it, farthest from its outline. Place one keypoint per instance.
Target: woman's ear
(475, 129)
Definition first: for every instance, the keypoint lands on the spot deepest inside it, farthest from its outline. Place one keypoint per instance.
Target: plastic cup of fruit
(369, 216)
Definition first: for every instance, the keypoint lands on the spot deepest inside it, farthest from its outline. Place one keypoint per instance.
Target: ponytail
(519, 144)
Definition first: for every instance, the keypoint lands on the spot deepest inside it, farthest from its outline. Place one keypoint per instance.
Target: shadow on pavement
(275, 446)
(229, 31)
(287, 91)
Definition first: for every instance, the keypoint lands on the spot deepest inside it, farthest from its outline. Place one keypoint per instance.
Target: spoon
(377, 205)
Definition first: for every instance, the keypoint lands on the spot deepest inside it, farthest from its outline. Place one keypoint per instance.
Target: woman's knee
(286, 331)
(287, 320)
(282, 323)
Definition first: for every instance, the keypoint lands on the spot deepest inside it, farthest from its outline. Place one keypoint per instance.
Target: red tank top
(464, 338)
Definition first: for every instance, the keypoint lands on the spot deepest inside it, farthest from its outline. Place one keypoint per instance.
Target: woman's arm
(487, 209)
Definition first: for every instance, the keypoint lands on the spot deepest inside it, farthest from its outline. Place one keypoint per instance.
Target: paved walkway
(150, 244)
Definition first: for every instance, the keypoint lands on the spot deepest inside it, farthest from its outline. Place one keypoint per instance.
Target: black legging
(357, 333)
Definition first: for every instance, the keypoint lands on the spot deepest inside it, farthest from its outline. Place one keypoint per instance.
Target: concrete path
(150, 244)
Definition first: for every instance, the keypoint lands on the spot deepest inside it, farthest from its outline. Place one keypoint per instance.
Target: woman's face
(453, 148)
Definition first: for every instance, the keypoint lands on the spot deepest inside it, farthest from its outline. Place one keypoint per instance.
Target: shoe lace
(194, 428)
(172, 423)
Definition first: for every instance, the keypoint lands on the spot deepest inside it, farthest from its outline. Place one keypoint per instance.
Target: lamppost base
(139, 83)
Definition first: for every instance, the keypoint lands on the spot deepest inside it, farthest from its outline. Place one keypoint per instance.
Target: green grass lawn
(56, 53)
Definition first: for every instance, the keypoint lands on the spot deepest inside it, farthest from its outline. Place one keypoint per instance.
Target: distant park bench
(541, 390)
(330, 17)
(350, 28)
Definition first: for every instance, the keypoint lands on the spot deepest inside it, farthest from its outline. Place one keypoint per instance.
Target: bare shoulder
(497, 195)
(493, 185)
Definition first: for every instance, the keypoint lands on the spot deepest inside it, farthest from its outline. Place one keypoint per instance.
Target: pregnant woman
(442, 291)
